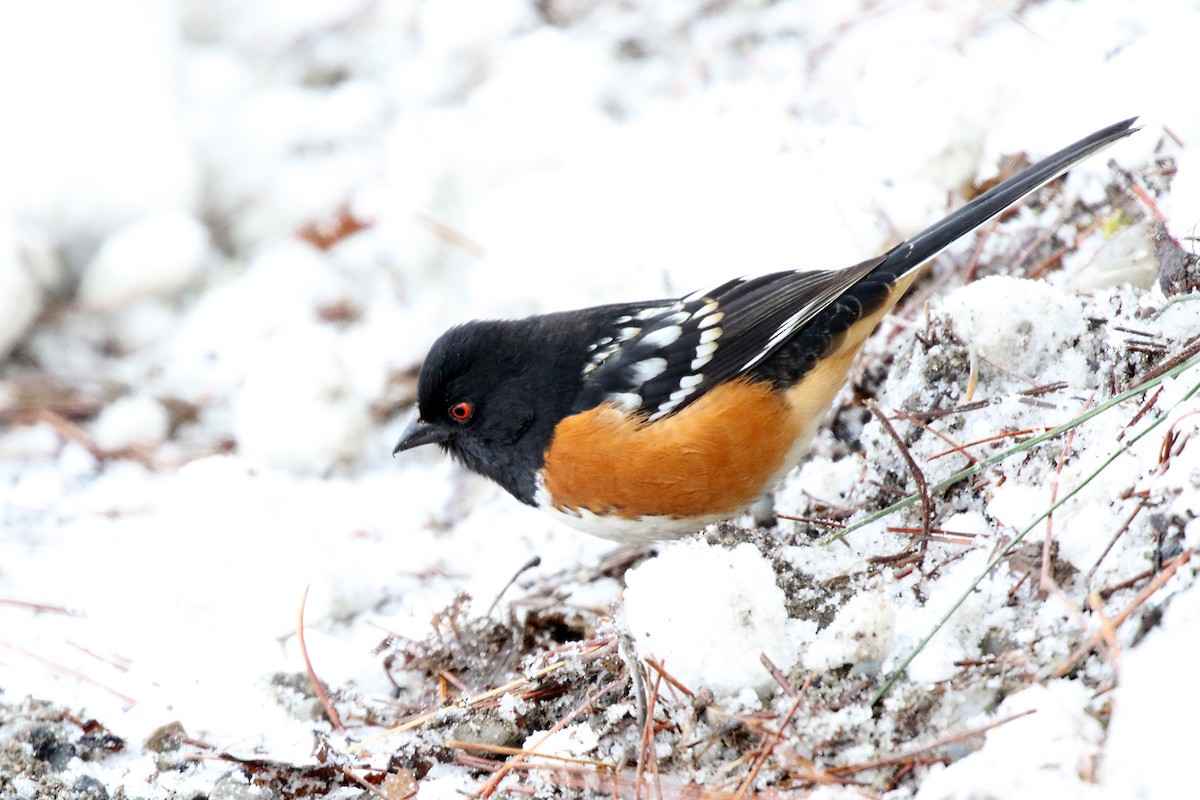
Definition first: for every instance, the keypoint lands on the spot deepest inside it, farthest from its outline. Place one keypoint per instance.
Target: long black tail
(910, 254)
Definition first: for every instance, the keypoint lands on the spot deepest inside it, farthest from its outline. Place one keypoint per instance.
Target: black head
(491, 392)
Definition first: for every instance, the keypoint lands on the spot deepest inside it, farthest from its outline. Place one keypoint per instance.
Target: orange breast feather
(714, 456)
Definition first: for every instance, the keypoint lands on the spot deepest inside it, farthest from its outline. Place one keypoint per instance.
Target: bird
(649, 420)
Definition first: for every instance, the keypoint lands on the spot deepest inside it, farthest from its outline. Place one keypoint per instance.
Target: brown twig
(1159, 580)
(917, 474)
(347, 772)
(778, 676)
(1109, 591)
(67, 671)
(972, 374)
(942, 742)
(1047, 263)
(668, 677)
(1046, 578)
(773, 742)
(963, 408)
(1012, 373)
(987, 440)
(40, 607)
(536, 561)
(501, 750)
(493, 782)
(330, 711)
(985, 233)
(593, 781)
(76, 434)
(1170, 445)
(1144, 196)
(646, 748)
(122, 664)
(1038, 240)
(1141, 412)
(1106, 630)
(450, 235)
(449, 677)
(1190, 348)
(955, 446)
(477, 700)
(1087, 578)
(939, 534)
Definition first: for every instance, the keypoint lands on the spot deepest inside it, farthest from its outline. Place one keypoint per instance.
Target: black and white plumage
(662, 357)
(620, 400)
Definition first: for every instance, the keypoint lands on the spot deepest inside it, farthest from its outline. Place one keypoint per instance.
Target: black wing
(659, 358)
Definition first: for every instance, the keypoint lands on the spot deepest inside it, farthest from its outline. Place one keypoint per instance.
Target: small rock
(49, 746)
(88, 788)
(489, 729)
(167, 738)
(235, 786)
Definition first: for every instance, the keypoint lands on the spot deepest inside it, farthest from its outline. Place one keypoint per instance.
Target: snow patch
(156, 256)
(729, 596)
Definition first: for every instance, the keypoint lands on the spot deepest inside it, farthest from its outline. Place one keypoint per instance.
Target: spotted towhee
(649, 420)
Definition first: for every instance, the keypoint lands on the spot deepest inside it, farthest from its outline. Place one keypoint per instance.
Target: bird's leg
(763, 510)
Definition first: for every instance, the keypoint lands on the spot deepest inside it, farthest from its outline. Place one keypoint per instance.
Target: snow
(132, 420)
(1017, 353)
(1047, 753)
(1149, 701)
(199, 394)
(95, 138)
(1125, 257)
(295, 410)
(729, 597)
(862, 631)
(573, 740)
(157, 256)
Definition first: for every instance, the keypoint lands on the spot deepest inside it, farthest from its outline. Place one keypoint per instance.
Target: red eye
(461, 412)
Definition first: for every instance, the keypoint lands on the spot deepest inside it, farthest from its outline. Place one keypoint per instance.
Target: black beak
(420, 432)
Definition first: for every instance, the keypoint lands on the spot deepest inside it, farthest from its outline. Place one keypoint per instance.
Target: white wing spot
(663, 336)
(650, 313)
(626, 401)
(600, 350)
(687, 387)
(710, 320)
(677, 397)
(649, 369)
(704, 354)
(710, 335)
(665, 408)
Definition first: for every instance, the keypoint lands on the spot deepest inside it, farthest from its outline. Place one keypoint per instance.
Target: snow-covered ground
(230, 230)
